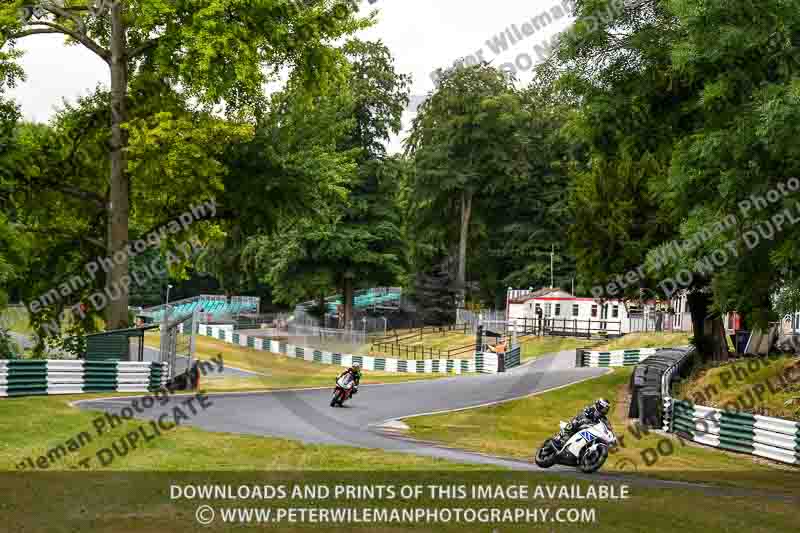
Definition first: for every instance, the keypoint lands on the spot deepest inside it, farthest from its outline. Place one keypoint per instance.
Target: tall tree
(11, 244)
(357, 240)
(380, 94)
(687, 108)
(435, 293)
(216, 51)
(467, 140)
(61, 189)
(528, 219)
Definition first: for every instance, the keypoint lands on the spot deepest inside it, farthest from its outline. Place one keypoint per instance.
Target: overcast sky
(423, 35)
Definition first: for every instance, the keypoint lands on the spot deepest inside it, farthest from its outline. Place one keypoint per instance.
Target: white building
(562, 311)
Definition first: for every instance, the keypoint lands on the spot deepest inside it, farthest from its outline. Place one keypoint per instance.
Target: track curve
(306, 416)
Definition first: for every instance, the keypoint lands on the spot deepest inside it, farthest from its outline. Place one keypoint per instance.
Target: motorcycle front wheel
(546, 455)
(592, 460)
(337, 398)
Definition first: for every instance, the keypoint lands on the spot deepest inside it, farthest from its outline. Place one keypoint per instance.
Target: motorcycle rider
(593, 414)
(355, 373)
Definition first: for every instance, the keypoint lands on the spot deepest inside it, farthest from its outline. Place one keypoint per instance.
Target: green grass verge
(515, 429)
(538, 346)
(767, 386)
(648, 340)
(33, 426)
(533, 347)
(121, 503)
(127, 501)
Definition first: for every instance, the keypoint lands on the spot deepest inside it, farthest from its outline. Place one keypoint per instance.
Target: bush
(8, 348)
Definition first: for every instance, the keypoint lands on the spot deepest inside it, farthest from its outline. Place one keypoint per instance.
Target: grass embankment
(768, 386)
(127, 501)
(327, 344)
(404, 344)
(276, 371)
(533, 347)
(33, 426)
(648, 340)
(536, 346)
(515, 429)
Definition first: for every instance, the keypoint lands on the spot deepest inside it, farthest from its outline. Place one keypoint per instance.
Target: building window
(538, 308)
(594, 311)
(575, 309)
(546, 309)
(615, 311)
(558, 309)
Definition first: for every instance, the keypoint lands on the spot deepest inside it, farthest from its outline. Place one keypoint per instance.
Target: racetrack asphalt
(306, 415)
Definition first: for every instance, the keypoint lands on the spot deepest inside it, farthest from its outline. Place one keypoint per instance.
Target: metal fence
(330, 339)
(257, 321)
(178, 341)
(401, 345)
(364, 320)
(657, 322)
(555, 327)
(473, 319)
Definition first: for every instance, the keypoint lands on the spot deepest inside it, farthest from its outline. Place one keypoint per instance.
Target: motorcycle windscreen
(345, 381)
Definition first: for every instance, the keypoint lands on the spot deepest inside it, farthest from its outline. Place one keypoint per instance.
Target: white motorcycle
(345, 388)
(587, 448)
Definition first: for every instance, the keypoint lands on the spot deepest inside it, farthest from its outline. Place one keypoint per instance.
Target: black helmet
(602, 406)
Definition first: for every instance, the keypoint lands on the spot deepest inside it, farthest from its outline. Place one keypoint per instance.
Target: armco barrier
(651, 382)
(45, 377)
(772, 438)
(486, 363)
(613, 359)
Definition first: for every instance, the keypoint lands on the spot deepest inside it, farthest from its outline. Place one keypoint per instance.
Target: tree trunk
(709, 331)
(719, 343)
(461, 278)
(323, 310)
(117, 281)
(348, 302)
(698, 308)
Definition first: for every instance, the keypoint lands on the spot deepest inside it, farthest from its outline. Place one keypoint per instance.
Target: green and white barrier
(490, 362)
(45, 377)
(772, 438)
(615, 358)
(513, 357)
(313, 355)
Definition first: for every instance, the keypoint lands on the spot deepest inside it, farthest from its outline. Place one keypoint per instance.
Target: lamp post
(164, 350)
(166, 303)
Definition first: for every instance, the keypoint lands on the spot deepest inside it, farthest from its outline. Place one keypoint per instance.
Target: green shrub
(8, 348)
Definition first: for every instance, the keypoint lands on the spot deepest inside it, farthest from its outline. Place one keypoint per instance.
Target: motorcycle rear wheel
(546, 456)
